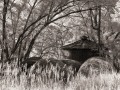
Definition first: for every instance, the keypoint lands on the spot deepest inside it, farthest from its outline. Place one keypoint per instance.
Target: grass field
(10, 81)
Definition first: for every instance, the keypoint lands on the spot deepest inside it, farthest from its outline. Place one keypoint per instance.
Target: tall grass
(12, 78)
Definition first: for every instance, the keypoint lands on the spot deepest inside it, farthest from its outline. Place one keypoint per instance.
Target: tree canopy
(42, 26)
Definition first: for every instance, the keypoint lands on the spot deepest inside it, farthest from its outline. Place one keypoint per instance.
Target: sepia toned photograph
(59, 44)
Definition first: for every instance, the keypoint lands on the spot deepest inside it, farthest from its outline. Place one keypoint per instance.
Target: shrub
(95, 66)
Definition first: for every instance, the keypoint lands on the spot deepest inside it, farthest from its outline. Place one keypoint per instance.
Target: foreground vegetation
(13, 80)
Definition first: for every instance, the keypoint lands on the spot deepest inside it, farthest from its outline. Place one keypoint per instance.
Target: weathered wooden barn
(82, 49)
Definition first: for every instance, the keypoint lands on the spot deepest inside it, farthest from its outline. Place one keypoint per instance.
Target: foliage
(95, 66)
(41, 27)
(10, 81)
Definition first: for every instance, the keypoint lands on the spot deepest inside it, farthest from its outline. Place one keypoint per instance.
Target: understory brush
(13, 78)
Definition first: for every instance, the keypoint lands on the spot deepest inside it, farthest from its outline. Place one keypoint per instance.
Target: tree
(24, 21)
(32, 19)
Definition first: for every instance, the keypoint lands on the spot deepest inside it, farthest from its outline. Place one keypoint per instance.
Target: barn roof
(83, 43)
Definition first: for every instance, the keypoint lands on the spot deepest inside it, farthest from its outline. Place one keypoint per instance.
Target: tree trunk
(5, 52)
(99, 29)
